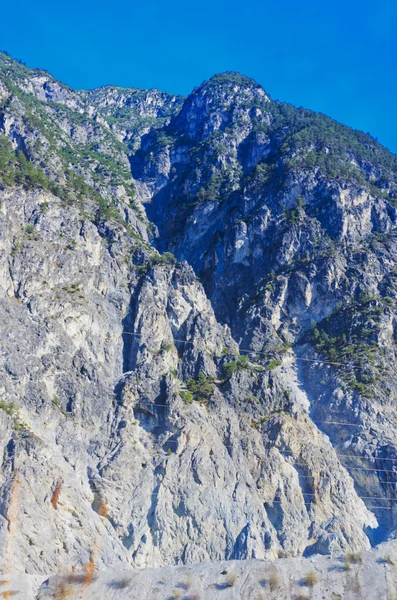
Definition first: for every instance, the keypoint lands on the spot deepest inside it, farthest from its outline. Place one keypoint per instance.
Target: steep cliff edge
(157, 410)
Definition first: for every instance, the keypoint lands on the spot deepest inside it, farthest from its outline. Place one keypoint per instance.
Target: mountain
(198, 309)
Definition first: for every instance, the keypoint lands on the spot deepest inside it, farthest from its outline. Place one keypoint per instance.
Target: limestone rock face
(132, 113)
(198, 328)
(293, 236)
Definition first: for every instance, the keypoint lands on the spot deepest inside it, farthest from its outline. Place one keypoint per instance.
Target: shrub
(163, 259)
(166, 346)
(8, 407)
(294, 215)
(29, 229)
(201, 388)
(241, 363)
(275, 362)
(186, 396)
(13, 411)
(354, 558)
(229, 368)
(169, 257)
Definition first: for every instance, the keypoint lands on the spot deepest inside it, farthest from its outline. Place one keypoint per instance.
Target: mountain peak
(230, 82)
(219, 101)
(232, 77)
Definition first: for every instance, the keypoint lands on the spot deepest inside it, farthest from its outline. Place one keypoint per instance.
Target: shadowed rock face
(158, 410)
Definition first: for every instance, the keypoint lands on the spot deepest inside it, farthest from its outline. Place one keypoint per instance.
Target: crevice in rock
(130, 342)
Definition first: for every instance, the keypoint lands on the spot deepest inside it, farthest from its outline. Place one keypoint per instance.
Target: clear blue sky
(338, 57)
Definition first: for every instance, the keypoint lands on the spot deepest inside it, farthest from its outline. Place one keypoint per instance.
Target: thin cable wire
(384, 498)
(139, 406)
(112, 483)
(324, 422)
(339, 455)
(169, 441)
(310, 494)
(289, 452)
(155, 494)
(383, 483)
(269, 416)
(139, 335)
(314, 421)
(250, 351)
(165, 490)
(353, 468)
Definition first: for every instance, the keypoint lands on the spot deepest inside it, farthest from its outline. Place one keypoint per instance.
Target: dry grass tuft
(9, 594)
(103, 510)
(347, 566)
(62, 592)
(310, 579)
(89, 568)
(56, 493)
(65, 589)
(231, 579)
(74, 578)
(274, 580)
(354, 558)
(355, 586)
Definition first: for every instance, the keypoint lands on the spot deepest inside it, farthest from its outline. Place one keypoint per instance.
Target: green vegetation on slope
(348, 338)
(76, 171)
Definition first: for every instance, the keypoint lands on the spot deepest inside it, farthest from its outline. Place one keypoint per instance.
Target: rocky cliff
(198, 328)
